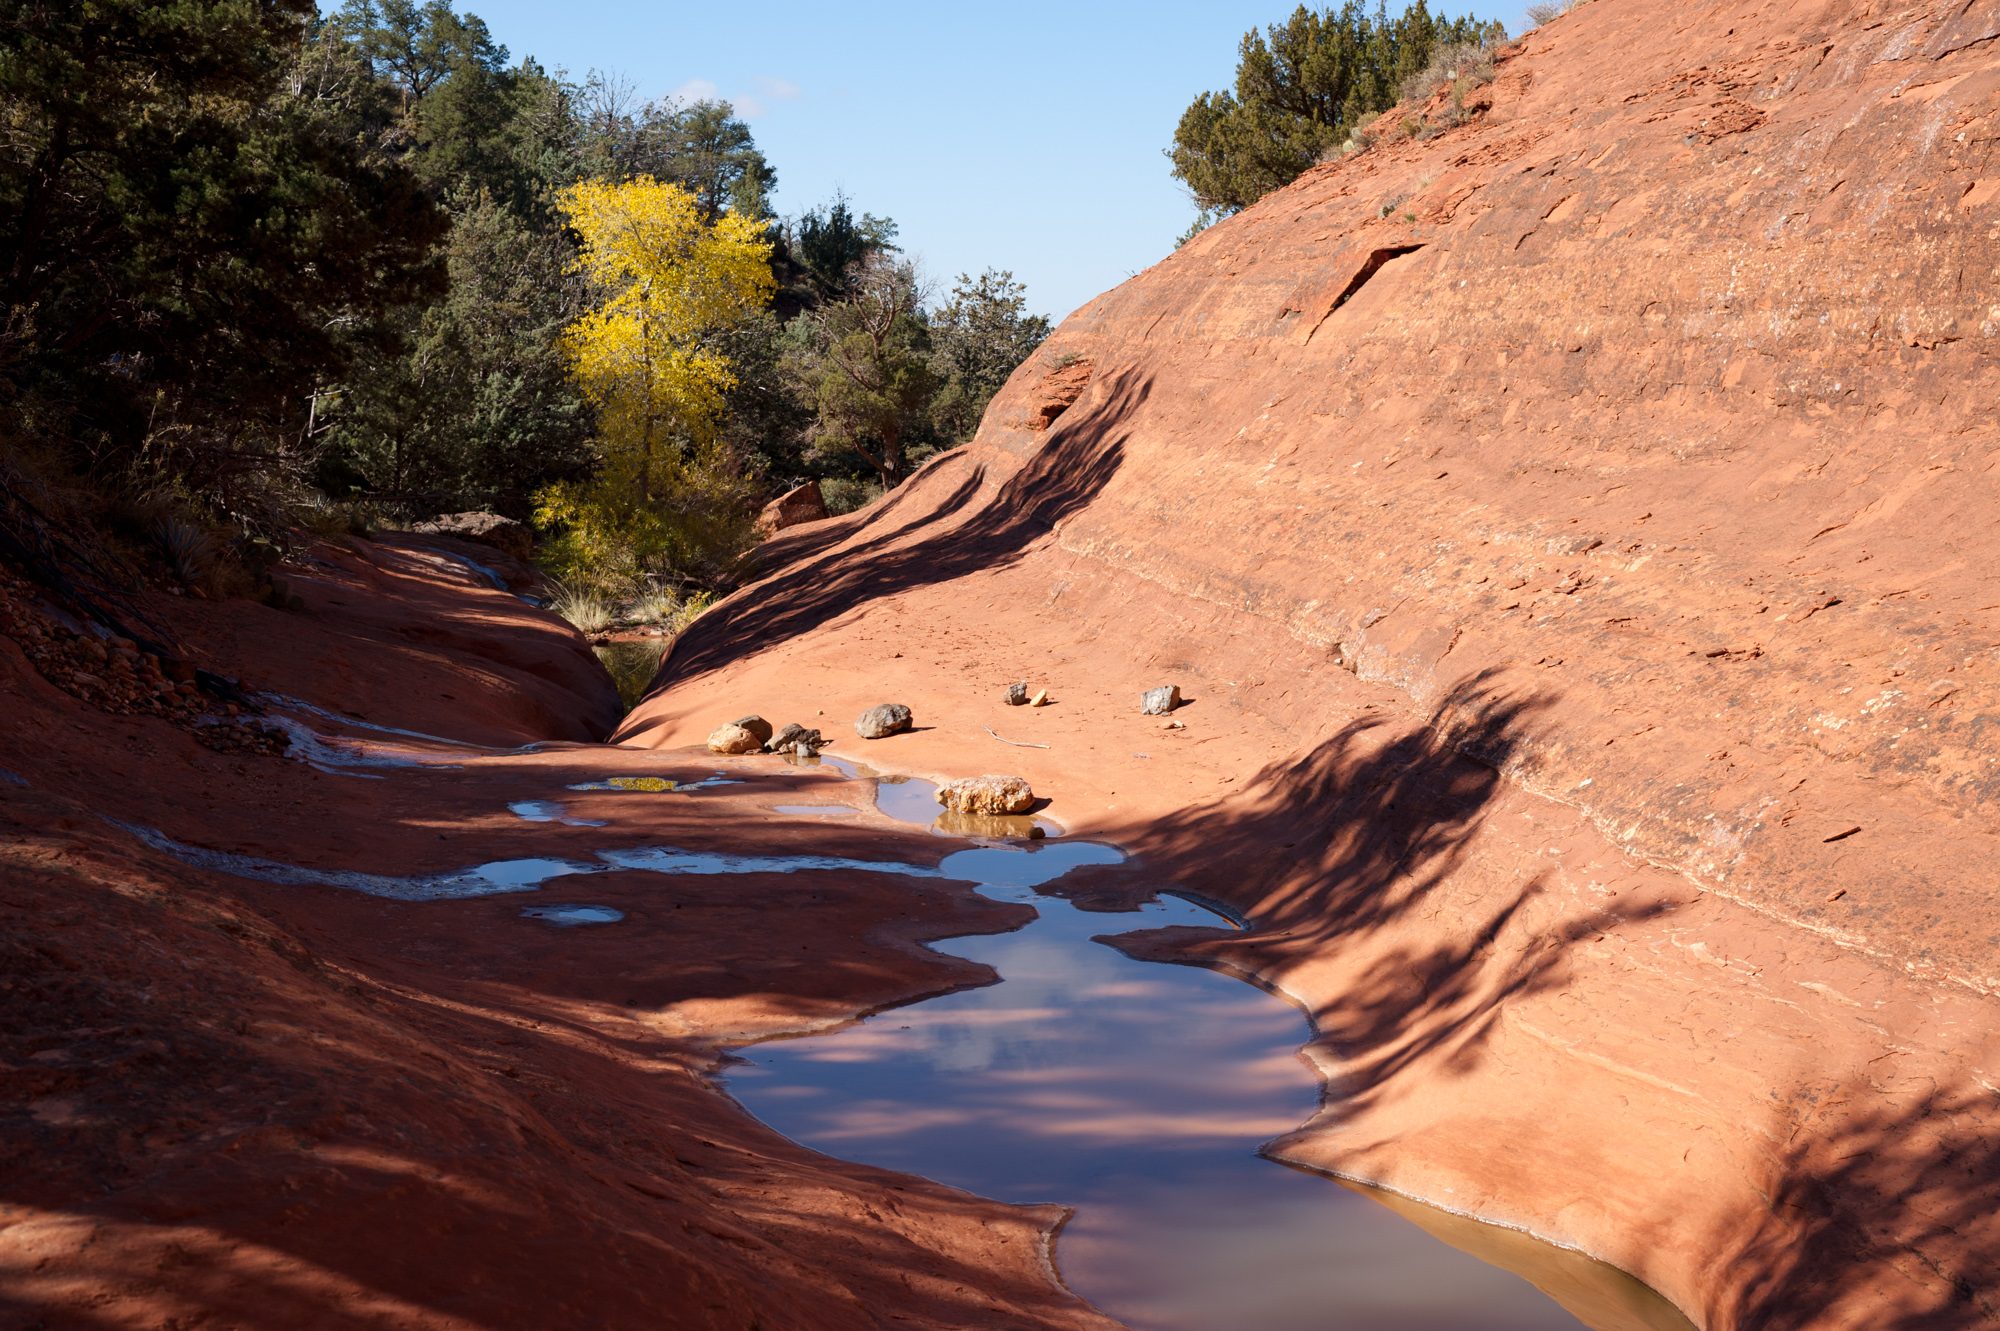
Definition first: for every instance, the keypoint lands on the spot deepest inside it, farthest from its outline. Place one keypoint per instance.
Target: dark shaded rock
(795, 738)
(801, 504)
(503, 534)
(1017, 694)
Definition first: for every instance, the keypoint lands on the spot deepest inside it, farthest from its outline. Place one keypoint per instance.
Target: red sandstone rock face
(1056, 392)
(803, 503)
(1573, 534)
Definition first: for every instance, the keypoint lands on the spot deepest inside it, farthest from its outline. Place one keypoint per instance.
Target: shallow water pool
(1137, 1094)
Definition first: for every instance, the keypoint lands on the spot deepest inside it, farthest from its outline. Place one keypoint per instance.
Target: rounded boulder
(987, 795)
(890, 718)
(733, 738)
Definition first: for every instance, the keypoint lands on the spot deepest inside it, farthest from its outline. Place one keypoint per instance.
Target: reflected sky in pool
(1137, 1093)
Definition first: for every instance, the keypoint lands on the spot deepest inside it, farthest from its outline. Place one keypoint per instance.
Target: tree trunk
(646, 433)
(892, 459)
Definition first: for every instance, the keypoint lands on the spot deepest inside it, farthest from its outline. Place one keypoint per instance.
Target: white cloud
(749, 105)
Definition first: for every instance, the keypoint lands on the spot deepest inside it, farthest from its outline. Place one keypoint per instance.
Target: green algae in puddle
(652, 785)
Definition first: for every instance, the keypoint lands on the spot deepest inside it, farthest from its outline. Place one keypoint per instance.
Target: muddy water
(1136, 1093)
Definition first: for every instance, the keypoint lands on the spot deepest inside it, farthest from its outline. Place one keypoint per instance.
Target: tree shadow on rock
(1075, 464)
(1346, 853)
(1882, 1214)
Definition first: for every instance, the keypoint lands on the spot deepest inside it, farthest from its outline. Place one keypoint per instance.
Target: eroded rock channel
(1131, 1093)
(1135, 1093)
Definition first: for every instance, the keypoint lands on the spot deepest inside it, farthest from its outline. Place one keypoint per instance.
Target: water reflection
(570, 916)
(909, 799)
(632, 663)
(1136, 1093)
(549, 811)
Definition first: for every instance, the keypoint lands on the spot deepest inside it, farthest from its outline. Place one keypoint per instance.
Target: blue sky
(1026, 136)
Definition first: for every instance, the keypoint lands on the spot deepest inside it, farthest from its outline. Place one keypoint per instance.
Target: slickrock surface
(1574, 536)
(227, 1102)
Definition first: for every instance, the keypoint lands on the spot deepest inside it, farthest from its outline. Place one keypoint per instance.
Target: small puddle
(1137, 1093)
(569, 916)
(549, 811)
(339, 755)
(656, 785)
(495, 877)
(909, 799)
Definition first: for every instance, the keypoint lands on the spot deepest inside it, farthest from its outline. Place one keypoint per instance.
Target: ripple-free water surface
(1136, 1092)
(1133, 1092)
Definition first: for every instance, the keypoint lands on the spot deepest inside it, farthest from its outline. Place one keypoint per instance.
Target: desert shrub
(844, 495)
(1360, 137)
(350, 517)
(1545, 10)
(1299, 88)
(588, 609)
(653, 605)
(690, 610)
(189, 551)
(666, 608)
(1464, 65)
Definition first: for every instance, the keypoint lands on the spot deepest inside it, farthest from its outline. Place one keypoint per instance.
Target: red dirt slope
(1574, 532)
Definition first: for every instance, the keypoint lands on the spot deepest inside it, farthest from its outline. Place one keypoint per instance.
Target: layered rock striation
(1572, 532)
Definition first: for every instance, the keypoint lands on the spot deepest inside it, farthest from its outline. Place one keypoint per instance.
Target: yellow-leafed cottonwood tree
(668, 283)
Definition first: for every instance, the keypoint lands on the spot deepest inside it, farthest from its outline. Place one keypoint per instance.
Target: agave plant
(188, 550)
